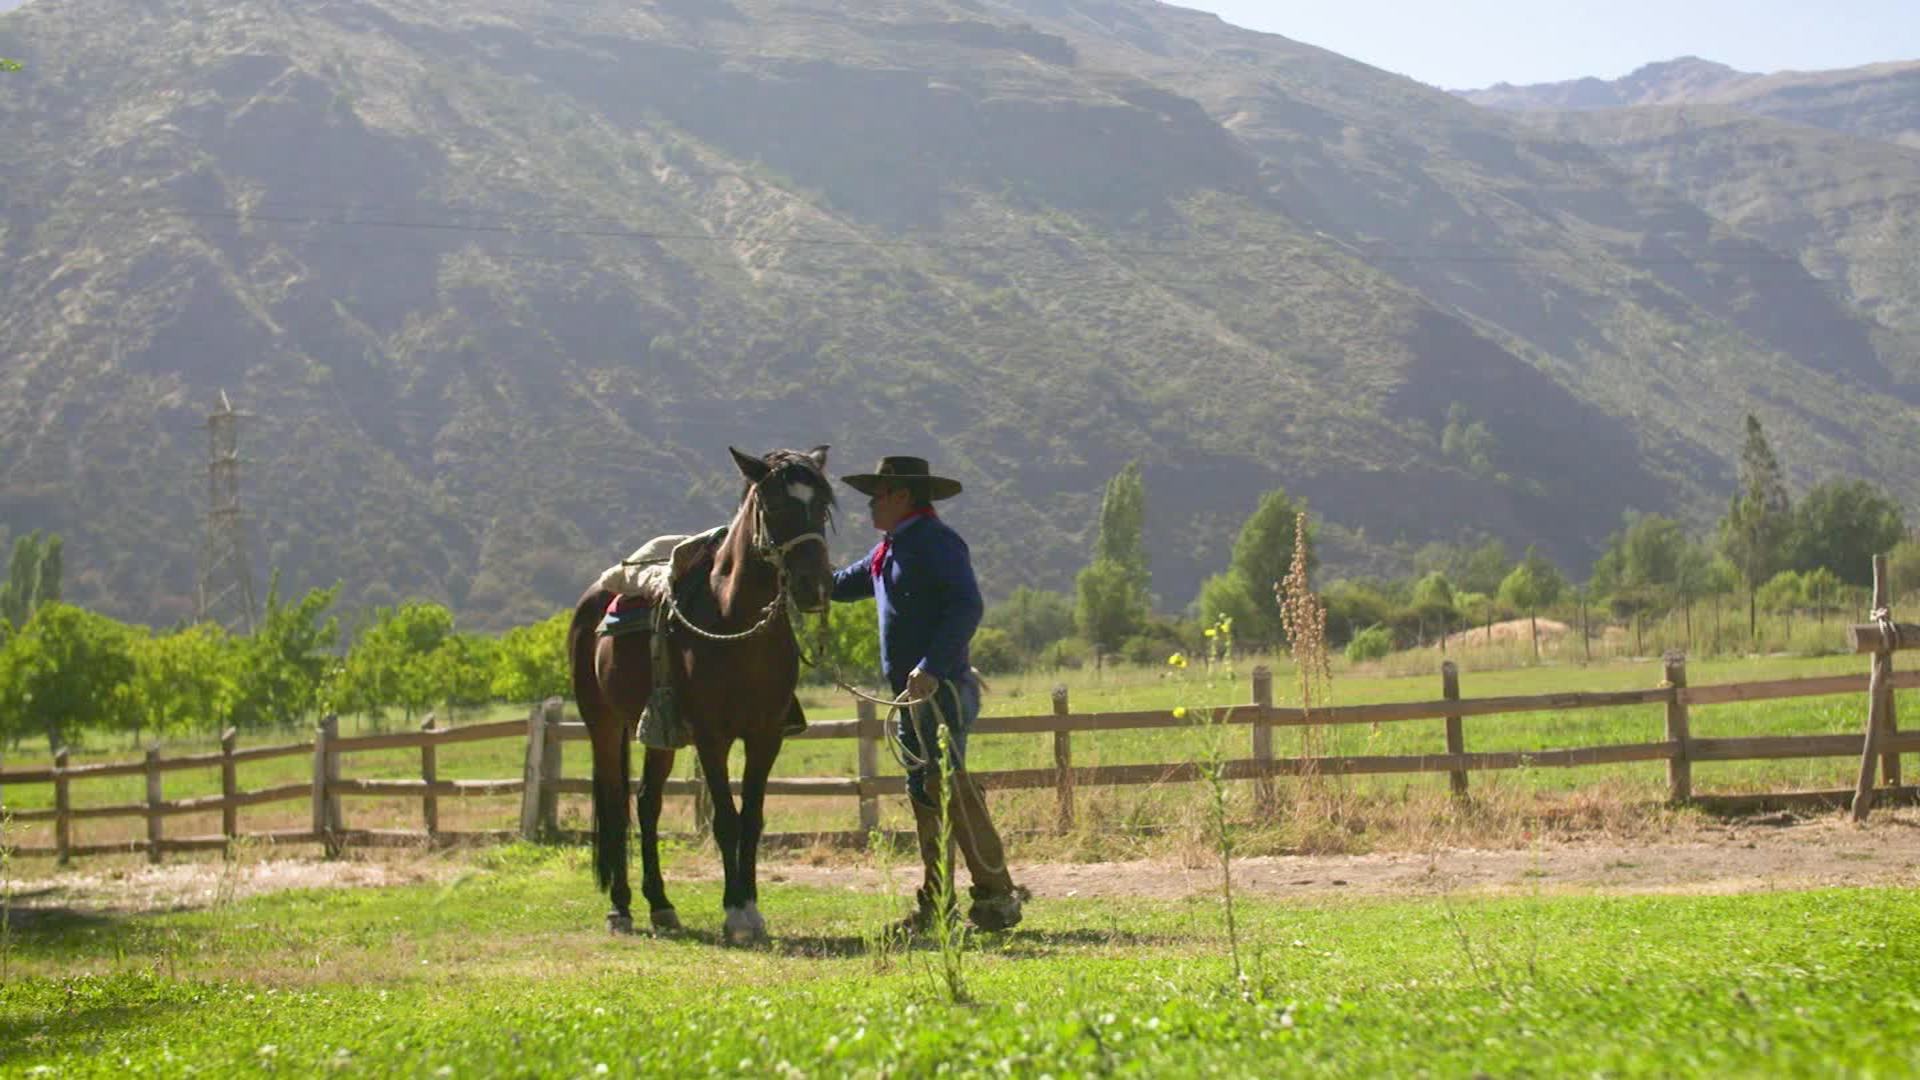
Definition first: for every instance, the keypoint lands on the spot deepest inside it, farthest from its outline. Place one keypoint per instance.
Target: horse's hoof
(619, 922)
(665, 919)
(746, 939)
(745, 926)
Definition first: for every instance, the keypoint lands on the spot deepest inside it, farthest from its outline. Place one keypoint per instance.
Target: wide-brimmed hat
(900, 469)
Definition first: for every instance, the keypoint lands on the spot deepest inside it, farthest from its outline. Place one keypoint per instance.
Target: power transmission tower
(226, 571)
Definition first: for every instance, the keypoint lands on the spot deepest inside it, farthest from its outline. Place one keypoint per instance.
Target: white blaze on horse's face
(803, 492)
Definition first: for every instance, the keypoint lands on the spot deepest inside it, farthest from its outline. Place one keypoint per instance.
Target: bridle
(767, 550)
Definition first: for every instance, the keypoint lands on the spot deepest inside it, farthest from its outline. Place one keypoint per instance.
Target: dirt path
(1765, 853)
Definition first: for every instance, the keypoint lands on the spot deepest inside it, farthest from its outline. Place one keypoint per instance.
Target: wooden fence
(547, 731)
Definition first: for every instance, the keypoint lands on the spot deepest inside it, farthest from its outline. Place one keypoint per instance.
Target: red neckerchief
(886, 542)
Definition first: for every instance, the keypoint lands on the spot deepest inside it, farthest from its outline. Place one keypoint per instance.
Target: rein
(765, 550)
(782, 603)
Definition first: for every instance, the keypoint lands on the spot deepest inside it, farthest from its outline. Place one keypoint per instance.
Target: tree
(184, 682)
(1467, 442)
(1759, 522)
(1110, 605)
(1821, 589)
(458, 672)
(1781, 595)
(1698, 576)
(1433, 599)
(1533, 584)
(1475, 569)
(282, 665)
(993, 651)
(33, 577)
(65, 670)
(853, 641)
(1841, 525)
(1231, 596)
(10, 66)
(387, 664)
(1032, 618)
(1123, 523)
(1262, 556)
(1903, 567)
(1640, 571)
(530, 663)
(1353, 606)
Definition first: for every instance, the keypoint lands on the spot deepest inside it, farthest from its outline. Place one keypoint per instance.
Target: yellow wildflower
(1177, 660)
(1179, 712)
(1211, 632)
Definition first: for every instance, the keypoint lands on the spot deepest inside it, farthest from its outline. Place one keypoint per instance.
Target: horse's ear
(751, 467)
(819, 456)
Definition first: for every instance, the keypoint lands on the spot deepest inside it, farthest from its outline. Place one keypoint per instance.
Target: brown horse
(734, 664)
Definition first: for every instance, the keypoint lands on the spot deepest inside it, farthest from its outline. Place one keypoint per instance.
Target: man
(921, 576)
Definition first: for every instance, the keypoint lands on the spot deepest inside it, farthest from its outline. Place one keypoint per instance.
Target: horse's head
(795, 507)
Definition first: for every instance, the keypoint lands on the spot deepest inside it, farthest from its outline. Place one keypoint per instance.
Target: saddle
(673, 565)
(641, 581)
(679, 566)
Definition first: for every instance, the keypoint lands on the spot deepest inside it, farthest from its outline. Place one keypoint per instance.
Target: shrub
(1370, 644)
(994, 651)
(1069, 653)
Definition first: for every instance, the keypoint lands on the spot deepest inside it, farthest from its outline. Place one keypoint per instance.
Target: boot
(996, 902)
(920, 922)
(994, 911)
(979, 841)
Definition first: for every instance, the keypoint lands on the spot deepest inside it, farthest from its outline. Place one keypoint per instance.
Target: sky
(1467, 44)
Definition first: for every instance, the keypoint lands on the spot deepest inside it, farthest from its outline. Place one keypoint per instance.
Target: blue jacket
(929, 601)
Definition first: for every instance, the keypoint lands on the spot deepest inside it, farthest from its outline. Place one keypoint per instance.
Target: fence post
(1263, 738)
(531, 776)
(1879, 693)
(550, 762)
(327, 819)
(153, 803)
(429, 775)
(1456, 737)
(1680, 765)
(1063, 759)
(62, 809)
(1890, 761)
(229, 785)
(867, 752)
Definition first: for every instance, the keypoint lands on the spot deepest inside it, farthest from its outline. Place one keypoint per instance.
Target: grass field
(505, 971)
(1375, 810)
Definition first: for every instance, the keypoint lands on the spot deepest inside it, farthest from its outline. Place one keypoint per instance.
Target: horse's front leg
(761, 752)
(726, 824)
(653, 785)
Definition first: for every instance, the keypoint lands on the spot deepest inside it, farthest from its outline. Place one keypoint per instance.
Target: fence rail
(546, 731)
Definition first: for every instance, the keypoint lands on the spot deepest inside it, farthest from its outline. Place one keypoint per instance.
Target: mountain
(1847, 208)
(499, 280)
(1878, 101)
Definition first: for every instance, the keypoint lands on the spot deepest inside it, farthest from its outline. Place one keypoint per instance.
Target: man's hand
(921, 685)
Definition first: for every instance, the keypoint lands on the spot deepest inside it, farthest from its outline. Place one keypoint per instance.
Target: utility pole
(226, 570)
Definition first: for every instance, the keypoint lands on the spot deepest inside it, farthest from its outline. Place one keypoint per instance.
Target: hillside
(500, 280)
(1848, 208)
(1878, 101)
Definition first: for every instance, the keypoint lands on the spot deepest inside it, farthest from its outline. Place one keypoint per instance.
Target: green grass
(506, 971)
(1113, 689)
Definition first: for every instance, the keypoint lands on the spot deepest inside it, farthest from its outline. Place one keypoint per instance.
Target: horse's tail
(611, 754)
